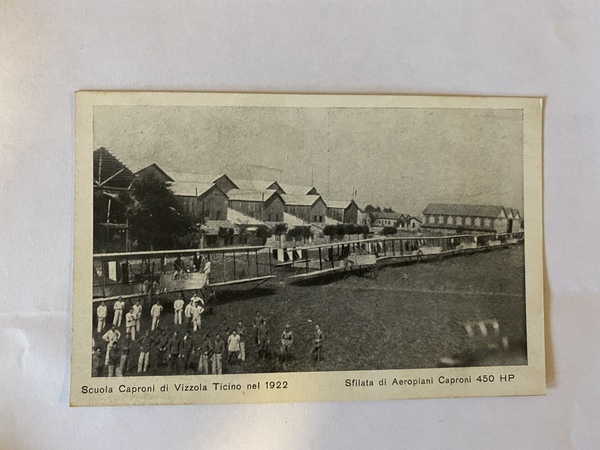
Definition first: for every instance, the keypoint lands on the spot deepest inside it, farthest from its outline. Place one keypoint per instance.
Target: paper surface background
(48, 50)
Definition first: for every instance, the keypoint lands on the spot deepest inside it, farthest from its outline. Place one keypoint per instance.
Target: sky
(402, 158)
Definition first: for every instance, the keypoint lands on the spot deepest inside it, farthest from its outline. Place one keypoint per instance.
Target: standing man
(101, 313)
(197, 311)
(217, 357)
(137, 315)
(160, 346)
(96, 362)
(125, 349)
(317, 343)
(111, 337)
(186, 346)
(188, 313)
(114, 357)
(206, 269)
(178, 306)
(197, 262)
(155, 313)
(197, 299)
(179, 265)
(118, 312)
(264, 339)
(173, 351)
(144, 359)
(256, 322)
(287, 339)
(205, 350)
(233, 346)
(241, 330)
(130, 324)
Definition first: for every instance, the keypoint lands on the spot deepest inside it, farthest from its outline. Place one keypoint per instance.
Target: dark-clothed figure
(124, 362)
(256, 321)
(186, 346)
(205, 351)
(264, 339)
(144, 358)
(217, 357)
(96, 362)
(317, 344)
(173, 352)
(160, 349)
(114, 357)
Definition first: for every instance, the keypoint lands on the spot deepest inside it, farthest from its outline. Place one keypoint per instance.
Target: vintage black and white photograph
(297, 237)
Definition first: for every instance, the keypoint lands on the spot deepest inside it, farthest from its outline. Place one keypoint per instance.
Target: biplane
(137, 274)
(326, 259)
(363, 255)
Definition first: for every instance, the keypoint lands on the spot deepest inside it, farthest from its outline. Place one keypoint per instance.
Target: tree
(263, 232)
(300, 233)
(388, 210)
(156, 219)
(280, 229)
(389, 230)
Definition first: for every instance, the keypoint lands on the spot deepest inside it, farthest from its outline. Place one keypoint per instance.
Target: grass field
(410, 316)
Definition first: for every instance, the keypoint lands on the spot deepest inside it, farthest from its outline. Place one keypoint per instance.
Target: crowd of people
(187, 349)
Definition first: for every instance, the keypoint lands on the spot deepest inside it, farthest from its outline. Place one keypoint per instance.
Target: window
(440, 219)
(487, 223)
(477, 222)
(207, 214)
(414, 225)
(430, 219)
(450, 220)
(269, 217)
(467, 221)
(315, 219)
(218, 215)
(459, 221)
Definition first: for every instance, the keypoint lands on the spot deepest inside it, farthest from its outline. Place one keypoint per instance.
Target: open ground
(409, 317)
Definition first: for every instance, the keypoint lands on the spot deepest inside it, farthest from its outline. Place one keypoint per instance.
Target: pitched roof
(386, 215)
(133, 163)
(455, 209)
(296, 189)
(255, 185)
(190, 189)
(516, 213)
(109, 171)
(301, 200)
(339, 204)
(158, 169)
(248, 195)
(193, 177)
(407, 218)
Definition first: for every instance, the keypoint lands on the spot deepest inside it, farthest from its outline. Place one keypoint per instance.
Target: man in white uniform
(178, 306)
(188, 313)
(101, 313)
(155, 313)
(197, 299)
(130, 324)
(118, 310)
(137, 315)
(197, 316)
(110, 337)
